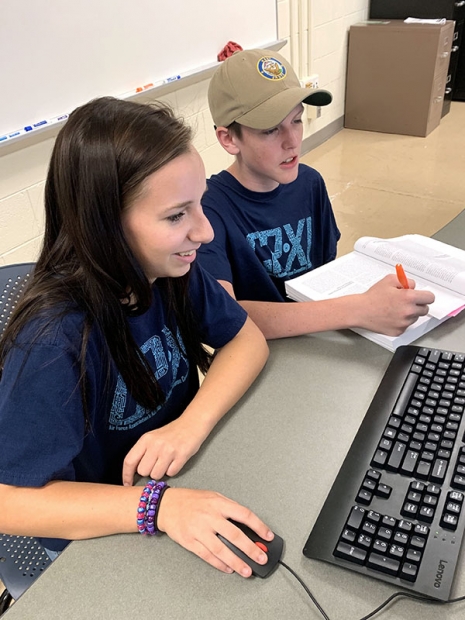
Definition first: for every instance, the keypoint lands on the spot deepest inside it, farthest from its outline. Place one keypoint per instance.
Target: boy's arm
(385, 308)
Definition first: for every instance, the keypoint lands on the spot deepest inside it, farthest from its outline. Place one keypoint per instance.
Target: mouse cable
(307, 590)
(416, 597)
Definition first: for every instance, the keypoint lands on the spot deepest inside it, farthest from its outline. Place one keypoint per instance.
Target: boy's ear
(227, 140)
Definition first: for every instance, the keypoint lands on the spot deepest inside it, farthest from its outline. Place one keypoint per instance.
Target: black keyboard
(396, 510)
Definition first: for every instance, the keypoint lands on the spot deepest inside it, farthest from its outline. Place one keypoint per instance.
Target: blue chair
(12, 281)
(22, 558)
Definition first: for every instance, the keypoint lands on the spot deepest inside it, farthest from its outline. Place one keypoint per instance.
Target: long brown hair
(101, 157)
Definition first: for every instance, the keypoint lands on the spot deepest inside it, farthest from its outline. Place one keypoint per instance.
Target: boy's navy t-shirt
(41, 415)
(263, 239)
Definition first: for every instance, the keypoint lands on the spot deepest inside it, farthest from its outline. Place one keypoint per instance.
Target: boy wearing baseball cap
(272, 216)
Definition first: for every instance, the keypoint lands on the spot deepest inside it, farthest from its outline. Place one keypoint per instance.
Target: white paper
(416, 20)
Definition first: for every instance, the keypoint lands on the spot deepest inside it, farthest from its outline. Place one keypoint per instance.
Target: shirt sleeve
(214, 256)
(41, 414)
(220, 316)
(334, 234)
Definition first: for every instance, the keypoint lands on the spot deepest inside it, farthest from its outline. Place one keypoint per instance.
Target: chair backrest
(12, 281)
(22, 558)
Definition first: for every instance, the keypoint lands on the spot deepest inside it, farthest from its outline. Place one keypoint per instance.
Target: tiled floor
(386, 185)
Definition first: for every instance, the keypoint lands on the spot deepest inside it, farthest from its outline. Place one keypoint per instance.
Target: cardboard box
(396, 76)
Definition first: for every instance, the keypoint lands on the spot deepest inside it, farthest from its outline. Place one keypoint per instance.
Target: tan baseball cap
(258, 88)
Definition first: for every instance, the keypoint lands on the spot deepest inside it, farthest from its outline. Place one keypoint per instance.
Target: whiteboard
(58, 54)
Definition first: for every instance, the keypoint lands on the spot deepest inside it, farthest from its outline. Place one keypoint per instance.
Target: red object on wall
(228, 50)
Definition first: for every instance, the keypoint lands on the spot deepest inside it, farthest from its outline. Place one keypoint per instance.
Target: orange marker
(401, 276)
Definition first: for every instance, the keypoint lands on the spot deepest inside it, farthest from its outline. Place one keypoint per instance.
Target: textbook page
(420, 256)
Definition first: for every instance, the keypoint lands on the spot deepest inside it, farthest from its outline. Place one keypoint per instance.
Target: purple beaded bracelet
(148, 507)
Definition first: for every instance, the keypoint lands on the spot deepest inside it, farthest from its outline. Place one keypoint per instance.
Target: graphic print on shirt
(286, 246)
(171, 358)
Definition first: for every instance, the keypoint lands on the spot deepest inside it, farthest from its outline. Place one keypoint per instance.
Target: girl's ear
(228, 140)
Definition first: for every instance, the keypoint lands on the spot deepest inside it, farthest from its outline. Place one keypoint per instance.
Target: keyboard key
(409, 463)
(385, 445)
(409, 571)
(426, 514)
(348, 535)
(405, 526)
(380, 546)
(383, 563)
(373, 516)
(396, 457)
(389, 521)
(458, 482)
(385, 533)
(390, 433)
(357, 515)
(364, 541)
(423, 470)
(434, 356)
(421, 530)
(404, 396)
(369, 484)
(383, 491)
(449, 521)
(401, 538)
(439, 470)
(409, 510)
(413, 555)
(364, 497)
(417, 542)
(396, 551)
(453, 508)
(379, 458)
(427, 456)
(369, 528)
(350, 553)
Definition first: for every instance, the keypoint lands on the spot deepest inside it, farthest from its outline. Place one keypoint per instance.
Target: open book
(433, 265)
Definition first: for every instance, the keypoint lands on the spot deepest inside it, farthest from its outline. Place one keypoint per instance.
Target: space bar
(405, 394)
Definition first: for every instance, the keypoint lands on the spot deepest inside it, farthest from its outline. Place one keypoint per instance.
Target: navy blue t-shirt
(263, 239)
(41, 414)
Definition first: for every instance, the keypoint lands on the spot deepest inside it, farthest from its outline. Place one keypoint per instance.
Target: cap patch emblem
(271, 69)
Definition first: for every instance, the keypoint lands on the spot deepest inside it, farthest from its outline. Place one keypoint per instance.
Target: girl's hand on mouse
(162, 451)
(193, 518)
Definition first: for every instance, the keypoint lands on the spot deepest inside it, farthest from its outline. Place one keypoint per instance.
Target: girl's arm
(234, 368)
(78, 510)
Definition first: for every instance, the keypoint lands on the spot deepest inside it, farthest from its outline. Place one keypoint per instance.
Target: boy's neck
(251, 181)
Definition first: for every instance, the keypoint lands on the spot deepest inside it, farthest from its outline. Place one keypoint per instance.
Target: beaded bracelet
(155, 519)
(148, 507)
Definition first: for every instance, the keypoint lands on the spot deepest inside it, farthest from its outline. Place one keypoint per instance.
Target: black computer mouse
(273, 549)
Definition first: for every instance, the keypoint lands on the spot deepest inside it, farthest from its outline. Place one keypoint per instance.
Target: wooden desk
(278, 452)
